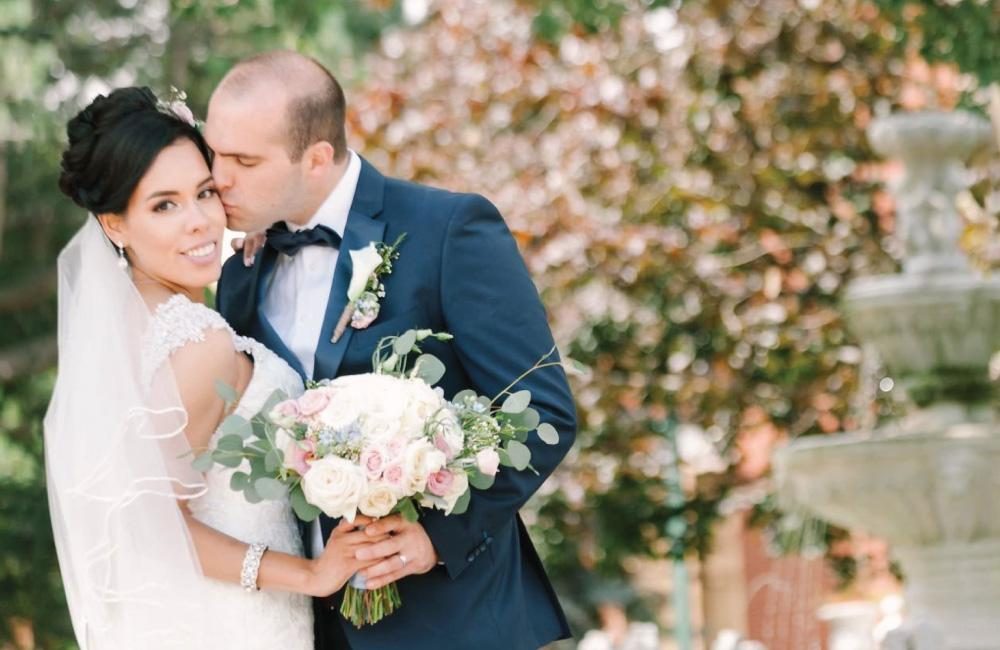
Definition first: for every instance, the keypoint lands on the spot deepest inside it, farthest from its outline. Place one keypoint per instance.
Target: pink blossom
(362, 321)
(312, 402)
(181, 110)
(442, 445)
(393, 475)
(300, 455)
(488, 462)
(440, 482)
(372, 462)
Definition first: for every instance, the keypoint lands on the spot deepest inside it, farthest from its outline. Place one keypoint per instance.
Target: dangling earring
(122, 262)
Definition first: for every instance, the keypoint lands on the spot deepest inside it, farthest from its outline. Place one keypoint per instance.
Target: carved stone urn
(929, 484)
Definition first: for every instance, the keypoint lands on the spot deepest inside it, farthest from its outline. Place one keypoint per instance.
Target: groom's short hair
(316, 106)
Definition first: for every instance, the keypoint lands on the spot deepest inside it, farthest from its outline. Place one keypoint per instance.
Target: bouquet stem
(369, 606)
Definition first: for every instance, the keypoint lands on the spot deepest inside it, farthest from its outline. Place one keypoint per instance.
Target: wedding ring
(402, 558)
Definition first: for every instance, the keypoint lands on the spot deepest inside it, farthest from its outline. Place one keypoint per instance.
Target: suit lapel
(362, 228)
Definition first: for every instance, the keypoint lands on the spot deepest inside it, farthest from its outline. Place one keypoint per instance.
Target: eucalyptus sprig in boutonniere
(370, 264)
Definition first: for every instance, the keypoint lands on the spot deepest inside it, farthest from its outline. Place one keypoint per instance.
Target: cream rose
(379, 501)
(335, 486)
(458, 487)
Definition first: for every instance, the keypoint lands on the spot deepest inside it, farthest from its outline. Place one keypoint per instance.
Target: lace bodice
(258, 620)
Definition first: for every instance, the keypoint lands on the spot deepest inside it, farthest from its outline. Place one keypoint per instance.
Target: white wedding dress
(247, 621)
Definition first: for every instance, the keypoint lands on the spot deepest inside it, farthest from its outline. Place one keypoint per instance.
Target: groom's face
(258, 182)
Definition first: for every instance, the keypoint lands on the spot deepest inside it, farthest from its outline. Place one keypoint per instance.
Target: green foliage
(966, 32)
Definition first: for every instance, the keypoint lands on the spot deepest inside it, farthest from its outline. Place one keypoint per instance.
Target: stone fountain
(930, 483)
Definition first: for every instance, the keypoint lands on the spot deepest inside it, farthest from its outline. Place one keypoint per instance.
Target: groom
(276, 124)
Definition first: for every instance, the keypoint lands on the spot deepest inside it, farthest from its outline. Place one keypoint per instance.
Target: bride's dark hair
(113, 142)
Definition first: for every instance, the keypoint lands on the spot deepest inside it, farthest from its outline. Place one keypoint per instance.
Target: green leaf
(505, 459)
(408, 510)
(273, 460)
(463, 503)
(270, 488)
(404, 342)
(548, 434)
(250, 494)
(225, 391)
(519, 454)
(227, 458)
(527, 420)
(236, 425)
(517, 402)
(275, 398)
(257, 467)
(303, 509)
(203, 462)
(430, 369)
(231, 442)
(239, 481)
(481, 481)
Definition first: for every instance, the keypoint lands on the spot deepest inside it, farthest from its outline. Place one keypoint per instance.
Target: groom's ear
(318, 156)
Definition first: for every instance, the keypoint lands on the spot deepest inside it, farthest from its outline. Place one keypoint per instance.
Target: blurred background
(691, 187)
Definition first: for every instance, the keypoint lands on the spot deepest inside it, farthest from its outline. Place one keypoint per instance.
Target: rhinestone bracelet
(251, 565)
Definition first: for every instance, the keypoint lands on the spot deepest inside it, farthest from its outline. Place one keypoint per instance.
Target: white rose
(459, 486)
(379, 501)
(364, 261)
(420, 460)
(335, 486)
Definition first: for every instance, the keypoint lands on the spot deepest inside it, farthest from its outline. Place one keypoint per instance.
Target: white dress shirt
(295, 302)
(296, 298)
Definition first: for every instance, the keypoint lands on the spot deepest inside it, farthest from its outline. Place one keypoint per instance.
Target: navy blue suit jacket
(459, 271)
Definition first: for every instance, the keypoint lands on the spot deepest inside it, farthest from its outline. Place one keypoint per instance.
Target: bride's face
(173, 225)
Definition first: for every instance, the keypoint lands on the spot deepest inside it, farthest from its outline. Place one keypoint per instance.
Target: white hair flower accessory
(175, 105)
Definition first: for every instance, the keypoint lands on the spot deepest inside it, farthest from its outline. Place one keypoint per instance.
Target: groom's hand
(408, 551)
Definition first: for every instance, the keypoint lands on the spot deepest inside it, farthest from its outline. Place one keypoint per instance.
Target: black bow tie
(284, 241)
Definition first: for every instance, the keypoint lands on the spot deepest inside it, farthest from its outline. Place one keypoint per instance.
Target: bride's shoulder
(178, 323)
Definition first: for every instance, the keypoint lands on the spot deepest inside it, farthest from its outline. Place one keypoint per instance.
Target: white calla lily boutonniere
(369, 265)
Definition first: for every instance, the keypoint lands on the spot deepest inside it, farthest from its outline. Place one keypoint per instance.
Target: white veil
(117, 464)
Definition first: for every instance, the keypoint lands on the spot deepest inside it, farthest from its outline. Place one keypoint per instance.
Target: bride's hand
(249, 244)
(332, 570)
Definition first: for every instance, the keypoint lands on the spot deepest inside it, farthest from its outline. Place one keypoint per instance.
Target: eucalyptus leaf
(527, 420)
(227, 458)
(408, 510)
(250, 494)
(517, 402)
(273, 460)
(225, 391)
(273, 400)
(203, 462)
(269, 488)
(481, 481)
(257, 467)
(519, 454)
(430, 369)
(505, 459)
(231, 442)
(404, 342)
(239, 481)
(236, 425)
(303, 509)
(463, 503)
(548, 434)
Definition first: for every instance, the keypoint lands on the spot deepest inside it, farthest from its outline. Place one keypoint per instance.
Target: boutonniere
(369, 265)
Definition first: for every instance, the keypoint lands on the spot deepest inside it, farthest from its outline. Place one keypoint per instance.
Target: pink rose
(439, 482)
(285, 413)
(372, 462)
(393, 475)
(300, 454)
(488, 462)
(312, 402)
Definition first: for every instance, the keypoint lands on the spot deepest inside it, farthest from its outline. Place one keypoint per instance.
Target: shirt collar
(335, 208)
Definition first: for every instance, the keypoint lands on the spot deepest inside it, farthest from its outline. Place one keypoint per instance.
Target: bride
(154, 554)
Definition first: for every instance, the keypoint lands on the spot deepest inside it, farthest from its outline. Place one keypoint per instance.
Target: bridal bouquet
(378, 443)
